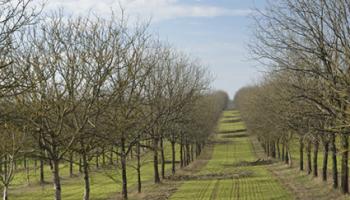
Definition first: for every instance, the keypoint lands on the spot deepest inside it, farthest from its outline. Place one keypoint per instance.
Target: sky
(214, 31)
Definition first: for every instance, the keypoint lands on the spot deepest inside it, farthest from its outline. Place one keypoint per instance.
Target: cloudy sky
(215, 31)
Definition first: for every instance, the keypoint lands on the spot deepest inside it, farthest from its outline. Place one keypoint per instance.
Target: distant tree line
(89, 90)
(304, 95)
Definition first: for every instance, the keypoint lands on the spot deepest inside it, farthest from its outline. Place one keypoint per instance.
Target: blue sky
(215, 31)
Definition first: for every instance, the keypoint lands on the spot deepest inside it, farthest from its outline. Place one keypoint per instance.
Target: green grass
(238, 182)
(102, 187)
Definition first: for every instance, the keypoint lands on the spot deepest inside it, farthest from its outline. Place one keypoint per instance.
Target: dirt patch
(213, 176)
(234, 135)
(235, 131)
(231, 121)
(223, 142)
(258, 162)
(170, 162)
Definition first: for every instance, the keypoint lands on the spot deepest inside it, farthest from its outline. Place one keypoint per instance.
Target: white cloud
(157, 9)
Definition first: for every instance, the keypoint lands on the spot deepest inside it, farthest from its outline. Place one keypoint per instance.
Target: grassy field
(102, 186)
(233, 172)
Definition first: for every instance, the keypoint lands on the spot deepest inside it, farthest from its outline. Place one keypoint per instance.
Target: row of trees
(305, 92)
(90, 87)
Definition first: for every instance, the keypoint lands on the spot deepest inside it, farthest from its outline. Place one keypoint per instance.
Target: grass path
(233, 171)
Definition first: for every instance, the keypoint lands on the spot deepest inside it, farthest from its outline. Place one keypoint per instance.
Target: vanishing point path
(234, 171)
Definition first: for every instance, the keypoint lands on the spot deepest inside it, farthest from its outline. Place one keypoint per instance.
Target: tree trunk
(181, 152)
(188, 154)
(103, 157)
(56, 179)
(155, 160)
(5, 193)
(315, 166)
(27, 174)
(162, 158)
(192, 153)
(86, 178)
(80, 165)
(123, 165)
(334, 162)
(325, 161)
(273, 149)
(286, 157)
(42, 177)
(344, 164)
(138, 168)
(290, 161)
(97, 162)
(278, 149)
(308, 152)
(25, 163)
(182, 163)
(1, 165)
(173, 157)
(35, 165)
(282, 151)
(111, 156)
(71, 165)
(301, 154)
(198, 149)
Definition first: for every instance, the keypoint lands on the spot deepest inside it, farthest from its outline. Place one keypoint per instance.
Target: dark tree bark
(71, 165)
(283, 147)
(325, 160)
(42, 175)
(80, 165)
(192, 153)
(27, 173)
(86, 178)
(173, 154)
(35, 165)
(286, 157)
(103, 157)
(155, 160)
(25, 162)
(1, 165)
(278, 149)
(308, 153)
(56, 179)
(273, 150)
(97, 162)
(123, 165)
(181, 155)
(198, 149)
(301, 154)
(334, 162)
(111, 156)
(315, 165)
(138, 168)
(188, 154)
(344, 164)
(162, 158)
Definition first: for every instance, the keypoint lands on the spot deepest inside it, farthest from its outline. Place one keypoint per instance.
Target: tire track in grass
(232, 188)
(215, 191)
(204, 190)
(236, 191)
